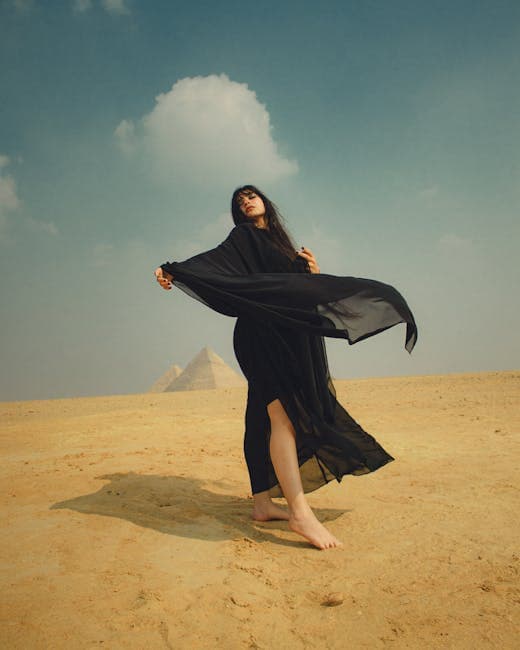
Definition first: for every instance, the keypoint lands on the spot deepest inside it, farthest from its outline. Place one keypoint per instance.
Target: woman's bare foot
(267, 510)
(309, 527)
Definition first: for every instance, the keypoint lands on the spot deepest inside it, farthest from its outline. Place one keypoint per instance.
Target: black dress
(282, 314)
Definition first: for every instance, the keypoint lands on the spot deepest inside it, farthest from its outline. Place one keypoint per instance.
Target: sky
(388, 134)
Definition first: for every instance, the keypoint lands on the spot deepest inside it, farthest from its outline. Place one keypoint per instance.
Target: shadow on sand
(181, 506)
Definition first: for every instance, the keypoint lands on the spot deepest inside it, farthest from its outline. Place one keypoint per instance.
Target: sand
(126, 524)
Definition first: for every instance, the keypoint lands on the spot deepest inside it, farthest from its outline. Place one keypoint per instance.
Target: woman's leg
(256, 452)
(284, 457)
(265, 510)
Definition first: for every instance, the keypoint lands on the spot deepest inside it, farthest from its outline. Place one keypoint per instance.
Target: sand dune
(126, 525)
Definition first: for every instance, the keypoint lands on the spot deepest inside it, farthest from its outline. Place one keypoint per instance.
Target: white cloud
(326, 248)
(115, 6)
(209, 236)
(125, 136)
(208, 130)
(429, 192)
(47, 227)
(102, 254)
(454, 243)
(138, 254)
(9, 201)
(111, 6)
(23, 5)
(82, 5)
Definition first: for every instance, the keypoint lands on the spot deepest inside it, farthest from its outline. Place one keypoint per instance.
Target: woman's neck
(261, 223)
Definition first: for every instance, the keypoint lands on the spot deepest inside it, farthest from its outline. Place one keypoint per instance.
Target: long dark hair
(275, 222)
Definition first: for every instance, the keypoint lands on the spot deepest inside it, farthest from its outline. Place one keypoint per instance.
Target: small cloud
(454, 243)
(47, 227)
(207, 237)
(115, 7)
(9, 201)
(429, 192)
(102, 254)
(23, 6)
(125, 136)
(208, 130)
(323, 239)
(327, 249)
(81, 6)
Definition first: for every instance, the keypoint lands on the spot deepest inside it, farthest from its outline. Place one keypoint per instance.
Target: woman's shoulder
(246, 224)
(244, 229)
(245, 236)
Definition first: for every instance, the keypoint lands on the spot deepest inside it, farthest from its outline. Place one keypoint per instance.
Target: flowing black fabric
(283, 312)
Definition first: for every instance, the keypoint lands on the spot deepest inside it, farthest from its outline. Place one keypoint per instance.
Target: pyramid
(204, 371)
(161, 384)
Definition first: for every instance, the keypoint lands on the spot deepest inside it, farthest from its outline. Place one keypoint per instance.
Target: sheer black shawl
(236, 279)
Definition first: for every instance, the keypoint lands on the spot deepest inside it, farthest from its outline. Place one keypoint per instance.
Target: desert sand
(126, 524)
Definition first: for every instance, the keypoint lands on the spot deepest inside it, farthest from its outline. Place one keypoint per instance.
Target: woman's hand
(163, 278)
(311, 260)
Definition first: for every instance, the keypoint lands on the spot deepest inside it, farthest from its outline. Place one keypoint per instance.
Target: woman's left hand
(311, 260)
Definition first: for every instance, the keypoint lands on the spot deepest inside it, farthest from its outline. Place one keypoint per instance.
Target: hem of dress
(275, 491)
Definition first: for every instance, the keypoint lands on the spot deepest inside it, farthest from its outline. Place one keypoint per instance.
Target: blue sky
(387, 132)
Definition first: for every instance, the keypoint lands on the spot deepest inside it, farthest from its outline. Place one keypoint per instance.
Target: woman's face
(251, 205)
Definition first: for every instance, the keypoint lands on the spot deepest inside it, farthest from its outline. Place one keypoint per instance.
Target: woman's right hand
(163, 278)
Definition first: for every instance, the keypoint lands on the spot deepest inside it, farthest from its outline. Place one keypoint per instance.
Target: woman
(297, 435)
